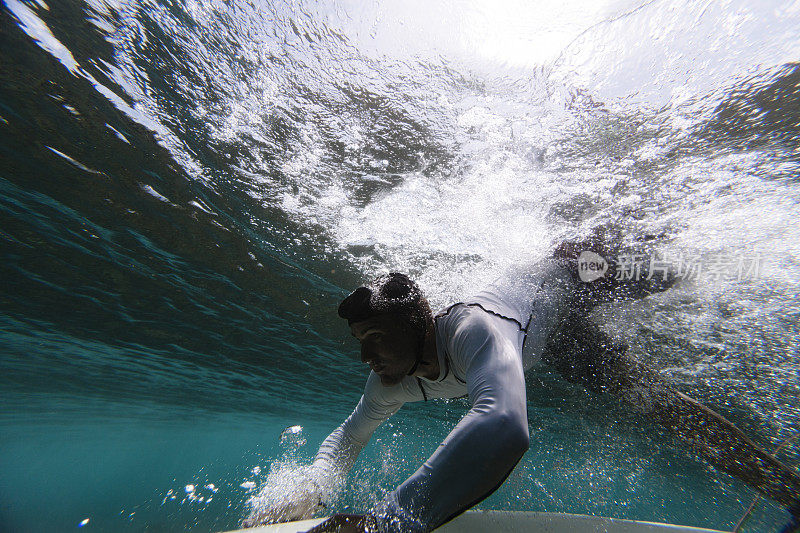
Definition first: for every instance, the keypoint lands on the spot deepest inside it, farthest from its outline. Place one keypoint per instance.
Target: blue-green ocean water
(189, 188)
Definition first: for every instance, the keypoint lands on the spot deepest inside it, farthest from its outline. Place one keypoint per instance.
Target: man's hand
(289, 494)
(343, 523)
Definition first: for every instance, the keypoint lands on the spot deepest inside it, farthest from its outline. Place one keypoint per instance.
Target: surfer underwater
(481, 347)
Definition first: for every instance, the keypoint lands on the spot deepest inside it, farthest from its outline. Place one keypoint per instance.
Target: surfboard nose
(515, 521)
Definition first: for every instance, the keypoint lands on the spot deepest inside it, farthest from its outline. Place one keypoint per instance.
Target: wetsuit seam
(525, 337)
(447, 311)
(446, 356)
(475, 304)
(422, 390)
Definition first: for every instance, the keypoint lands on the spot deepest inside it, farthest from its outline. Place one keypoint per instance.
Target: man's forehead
(362, 326)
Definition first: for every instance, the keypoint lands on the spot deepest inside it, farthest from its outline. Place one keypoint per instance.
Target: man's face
(387, 346)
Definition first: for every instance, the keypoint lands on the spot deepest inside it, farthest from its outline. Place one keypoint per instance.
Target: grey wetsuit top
(484, 346)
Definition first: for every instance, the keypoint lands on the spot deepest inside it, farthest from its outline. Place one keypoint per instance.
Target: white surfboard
(515, 522)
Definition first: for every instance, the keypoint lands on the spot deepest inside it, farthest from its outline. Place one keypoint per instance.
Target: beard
(387, 380)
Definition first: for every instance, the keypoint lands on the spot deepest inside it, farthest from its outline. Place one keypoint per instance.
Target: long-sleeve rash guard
(484, 345)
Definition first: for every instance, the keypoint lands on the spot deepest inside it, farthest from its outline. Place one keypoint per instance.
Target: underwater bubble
(292, 438)
(291, 432)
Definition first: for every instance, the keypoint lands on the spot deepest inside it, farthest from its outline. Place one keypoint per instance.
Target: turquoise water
(189, 188)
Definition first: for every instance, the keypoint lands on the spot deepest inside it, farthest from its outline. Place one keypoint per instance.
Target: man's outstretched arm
(340, 449)
(482, 449)
(300, 493)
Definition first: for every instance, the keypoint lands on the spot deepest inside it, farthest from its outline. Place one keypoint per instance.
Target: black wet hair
(393, 294)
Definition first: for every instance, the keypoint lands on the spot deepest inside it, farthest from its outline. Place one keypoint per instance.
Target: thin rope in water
(758, 497)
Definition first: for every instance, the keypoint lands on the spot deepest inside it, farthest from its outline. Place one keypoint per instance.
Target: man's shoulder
(463, 331)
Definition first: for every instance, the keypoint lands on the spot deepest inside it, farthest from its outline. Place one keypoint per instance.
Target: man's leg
(583, 353)
(628, 276)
